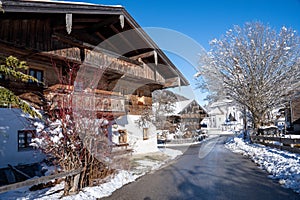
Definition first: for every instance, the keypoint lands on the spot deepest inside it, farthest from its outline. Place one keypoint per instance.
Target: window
(38, 74)
(195, 109)
(145, 133)
(123, 91)
(24, 139)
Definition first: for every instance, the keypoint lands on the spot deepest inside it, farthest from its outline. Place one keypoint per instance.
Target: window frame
(25, 145)
(35, 71)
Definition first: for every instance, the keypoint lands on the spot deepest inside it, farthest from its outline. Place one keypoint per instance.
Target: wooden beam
(171, 82)
(107, 41)
(59, 8)
(85, 19)
(77, 43)
(143, 55)
(123, 38)
(106, 22)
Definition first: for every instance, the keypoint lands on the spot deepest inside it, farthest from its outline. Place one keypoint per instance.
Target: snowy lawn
(143, 164)
(281, 165)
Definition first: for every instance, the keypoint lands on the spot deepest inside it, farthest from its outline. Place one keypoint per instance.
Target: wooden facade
(188, 113)
(121, 72)
(192, 115)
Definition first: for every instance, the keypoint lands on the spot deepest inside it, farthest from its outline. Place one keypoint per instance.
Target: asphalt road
(206, 171)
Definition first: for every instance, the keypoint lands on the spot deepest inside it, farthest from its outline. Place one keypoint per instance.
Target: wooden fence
(287, 144)
(36, 181)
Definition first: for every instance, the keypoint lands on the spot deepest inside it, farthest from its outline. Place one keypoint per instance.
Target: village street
(206, 171)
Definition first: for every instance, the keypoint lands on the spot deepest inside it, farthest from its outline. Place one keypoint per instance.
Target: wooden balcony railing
(95, 100)
(96, 58)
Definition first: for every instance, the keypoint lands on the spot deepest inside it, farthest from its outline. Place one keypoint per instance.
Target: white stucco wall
(11, 121)
(135, 134)
(218, 113)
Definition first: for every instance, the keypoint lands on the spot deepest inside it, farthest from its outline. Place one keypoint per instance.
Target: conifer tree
(14, 69)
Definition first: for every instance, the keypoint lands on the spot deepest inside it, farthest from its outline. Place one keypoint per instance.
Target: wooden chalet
(113, 58)
(189, 114)
(53, 33)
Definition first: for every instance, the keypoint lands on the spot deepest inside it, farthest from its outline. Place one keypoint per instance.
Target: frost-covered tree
(163, 104)
(254, 65)
(14, 69)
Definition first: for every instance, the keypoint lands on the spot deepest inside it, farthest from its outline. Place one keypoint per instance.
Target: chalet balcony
(98, 101)
(115, 64)
(136, 109)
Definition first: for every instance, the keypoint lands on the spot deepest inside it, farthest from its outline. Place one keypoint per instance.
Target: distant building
(223, 115)
(187, 114)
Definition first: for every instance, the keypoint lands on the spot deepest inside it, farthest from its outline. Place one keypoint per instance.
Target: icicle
(155, 58)
(69, 22)
(121, 21)
(179, 83)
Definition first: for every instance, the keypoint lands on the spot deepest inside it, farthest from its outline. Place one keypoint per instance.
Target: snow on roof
(216, 111)
(220, 103)
(72, 2)
(180, 105)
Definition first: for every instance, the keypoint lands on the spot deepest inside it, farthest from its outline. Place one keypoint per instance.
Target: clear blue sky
(206, 20)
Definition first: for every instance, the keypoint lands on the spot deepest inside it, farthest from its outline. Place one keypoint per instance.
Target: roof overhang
(85, 28)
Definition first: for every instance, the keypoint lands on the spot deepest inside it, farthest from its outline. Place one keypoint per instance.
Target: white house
(223, 115)
(141, 138)
(16, 133)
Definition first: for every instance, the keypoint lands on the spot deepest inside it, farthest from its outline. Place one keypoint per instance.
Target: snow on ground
(281, 165)
(91, 193)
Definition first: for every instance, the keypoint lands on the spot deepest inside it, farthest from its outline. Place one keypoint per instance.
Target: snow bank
(281, 165)
(92, 193)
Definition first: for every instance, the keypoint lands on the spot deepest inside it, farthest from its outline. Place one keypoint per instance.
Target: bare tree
(72, 136)
(163, 104)
(255, 66)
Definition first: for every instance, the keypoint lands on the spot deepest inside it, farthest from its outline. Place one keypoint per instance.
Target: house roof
(221, 102)
(181, 105)
(216, 111)
(88, 19)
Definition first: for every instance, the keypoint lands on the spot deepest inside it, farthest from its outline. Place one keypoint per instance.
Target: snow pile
(281, 165)
(92, 193)
(105, 189)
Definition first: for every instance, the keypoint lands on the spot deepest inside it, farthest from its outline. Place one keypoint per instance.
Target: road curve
(206, 171)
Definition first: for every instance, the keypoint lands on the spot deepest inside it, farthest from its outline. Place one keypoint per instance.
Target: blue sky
(205, 20)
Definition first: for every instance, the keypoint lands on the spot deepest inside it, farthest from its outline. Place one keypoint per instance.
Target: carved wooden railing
(95, 100)
(98, 59)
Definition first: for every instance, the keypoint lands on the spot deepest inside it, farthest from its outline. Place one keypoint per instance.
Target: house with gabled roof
(223, 115)
(114, 59)
(188, 114)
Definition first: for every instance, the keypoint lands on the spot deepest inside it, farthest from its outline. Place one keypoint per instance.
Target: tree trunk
(76, 186)
(245, 123)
